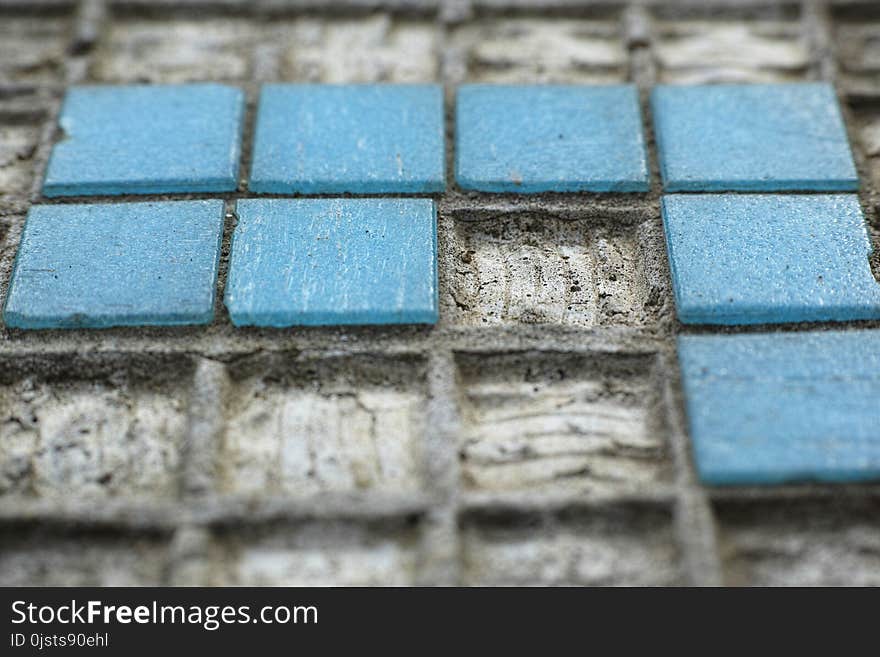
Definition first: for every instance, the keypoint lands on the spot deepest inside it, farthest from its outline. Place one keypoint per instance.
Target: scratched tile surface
(536, 434)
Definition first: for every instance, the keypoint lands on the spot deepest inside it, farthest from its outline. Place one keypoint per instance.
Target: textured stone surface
(753, 259)
(730, 50)
(362, 139)
(559, 423)
(631, 548)
(584, 139)
(752, 138)
(147, 139)
(542, 270)
(338, 425)
(132, 264)
(772, 408)
(333, 261)
(543, 50)
(368, 49)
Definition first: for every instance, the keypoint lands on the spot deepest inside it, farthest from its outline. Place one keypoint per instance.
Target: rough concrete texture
(244, 475)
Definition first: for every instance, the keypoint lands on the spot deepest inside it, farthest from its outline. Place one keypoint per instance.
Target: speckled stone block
(147, 140)
(773, 137)
(533, 139)
(785, 407)
(132, 264)
(754, 259)
(359, 139)
(333, 261)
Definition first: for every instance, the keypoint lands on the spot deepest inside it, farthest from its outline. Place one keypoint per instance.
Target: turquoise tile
(773, 137)
(754, 259)
(531, 139)
(126, 264)
(783, 407)
(359, 139)
(147, 140)
(333, 261)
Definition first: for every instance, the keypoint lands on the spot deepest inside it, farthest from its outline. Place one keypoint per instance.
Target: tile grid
(443, 505)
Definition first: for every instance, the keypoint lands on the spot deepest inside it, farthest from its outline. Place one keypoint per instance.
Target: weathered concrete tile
(774, 408)
(752, 138)
(542, 50)
(800, 543)
(361, 139)
(542, 270)
(619, 547)
(337, 425)
(756, 259)
(333, 261)
(131, 264)
(377, 48)
(584, 139)
(147, 140)
(560, 423)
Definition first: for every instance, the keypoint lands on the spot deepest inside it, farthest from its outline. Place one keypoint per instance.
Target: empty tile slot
(742, 48)
(542, 50)
(184, 49)
(18, 146)
(857, 44)
(554, 422)
(374, 48)
(33, 47)
(620, 546)
(800, 543)
(75, 429)
(302, 427)
(538, 269)
(35, 556)
(331, 553)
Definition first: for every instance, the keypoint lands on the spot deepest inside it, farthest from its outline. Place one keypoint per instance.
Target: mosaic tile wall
(215, 455)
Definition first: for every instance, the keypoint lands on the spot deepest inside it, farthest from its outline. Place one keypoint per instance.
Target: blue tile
(785, 407)
(359, 139)
(333, 261)
(754, 259)
(775, 137)
(147, 140)
(127, 264)
(532, 139)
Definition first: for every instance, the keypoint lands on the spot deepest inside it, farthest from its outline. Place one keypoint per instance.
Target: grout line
(204, 429)
(693, 514)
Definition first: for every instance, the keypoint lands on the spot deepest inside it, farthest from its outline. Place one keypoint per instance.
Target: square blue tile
(532, 139)
(333, 261)
(754, 259)
(359, 139)
(784, 407)
(147, 140)
(773, 137)
(121, 264)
